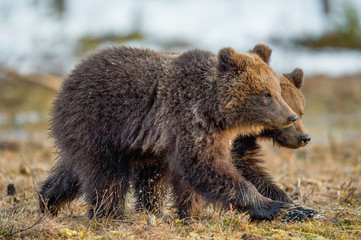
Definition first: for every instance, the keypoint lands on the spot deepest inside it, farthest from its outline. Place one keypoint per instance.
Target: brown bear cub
(246, 159)
(124, 106)
(246, 149)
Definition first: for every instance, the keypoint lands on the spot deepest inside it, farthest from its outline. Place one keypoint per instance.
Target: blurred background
(42, 41)
(321, 36)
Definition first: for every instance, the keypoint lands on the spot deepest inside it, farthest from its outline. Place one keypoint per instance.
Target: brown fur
(294, 136)
(246, 152)
(123, 106)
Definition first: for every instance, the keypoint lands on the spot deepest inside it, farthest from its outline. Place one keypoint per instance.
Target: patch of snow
(33, 39)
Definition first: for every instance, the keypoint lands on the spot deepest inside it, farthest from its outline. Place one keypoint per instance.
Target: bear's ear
(263, 51)
(228, 60)
(296, 77)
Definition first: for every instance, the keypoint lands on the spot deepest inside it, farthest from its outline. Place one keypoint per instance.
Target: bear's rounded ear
(296, 77)
(263, 51)
(227, 60)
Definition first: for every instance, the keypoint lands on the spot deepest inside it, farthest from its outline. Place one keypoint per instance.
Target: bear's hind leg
(108, 199)
(61, 186)
(187, 202)
(105, 185)
(149, 187)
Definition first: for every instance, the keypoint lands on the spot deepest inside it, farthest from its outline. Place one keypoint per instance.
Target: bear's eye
(267, 95)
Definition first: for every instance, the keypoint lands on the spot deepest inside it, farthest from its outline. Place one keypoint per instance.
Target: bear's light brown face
(253, 91)
(295, 135)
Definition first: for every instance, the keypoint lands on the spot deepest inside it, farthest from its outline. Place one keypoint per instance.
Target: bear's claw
(299, 213)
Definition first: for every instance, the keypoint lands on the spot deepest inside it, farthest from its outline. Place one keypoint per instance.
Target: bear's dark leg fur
(105, 185)
(60, 187)
(108, 198)
(207, 168)
(149, 187)
(187, 202)
(245, 152)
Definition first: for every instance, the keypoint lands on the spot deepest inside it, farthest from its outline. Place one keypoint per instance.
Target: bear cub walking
(125, 106)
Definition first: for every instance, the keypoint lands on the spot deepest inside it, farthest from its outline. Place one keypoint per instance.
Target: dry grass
(328, 170)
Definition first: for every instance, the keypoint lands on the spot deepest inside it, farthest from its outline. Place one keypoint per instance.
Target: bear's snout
(304, 139)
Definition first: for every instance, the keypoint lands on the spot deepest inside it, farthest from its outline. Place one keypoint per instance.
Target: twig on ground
(297, 187)
(27, 228)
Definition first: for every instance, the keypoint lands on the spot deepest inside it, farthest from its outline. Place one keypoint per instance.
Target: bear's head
(251, 92)
(295, 135)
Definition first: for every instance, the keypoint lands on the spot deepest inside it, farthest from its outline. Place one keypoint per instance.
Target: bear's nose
(292, 118)
(304, 139)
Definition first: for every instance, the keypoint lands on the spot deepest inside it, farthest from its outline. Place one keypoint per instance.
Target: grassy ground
(327, 172)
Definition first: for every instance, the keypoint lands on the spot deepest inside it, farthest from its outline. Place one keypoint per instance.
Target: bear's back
(110, 89)
(121, 95)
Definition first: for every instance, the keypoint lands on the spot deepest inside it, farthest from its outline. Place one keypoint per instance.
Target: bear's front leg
(206, 166)
(245, 154)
